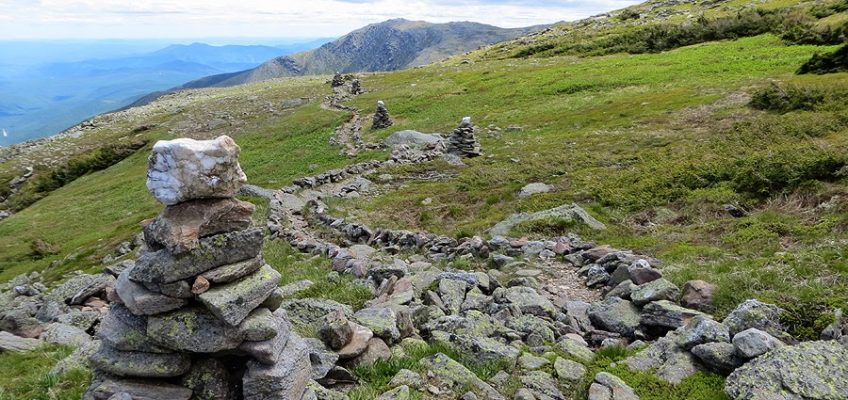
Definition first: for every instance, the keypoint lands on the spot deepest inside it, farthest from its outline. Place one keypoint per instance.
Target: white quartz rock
(186, 169)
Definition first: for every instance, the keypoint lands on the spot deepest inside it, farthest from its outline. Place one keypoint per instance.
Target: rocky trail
(198, 315)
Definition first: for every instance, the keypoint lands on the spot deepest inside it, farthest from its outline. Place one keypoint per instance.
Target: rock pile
(196, 316)
(382, 119)
(462, 141)
(338, 80)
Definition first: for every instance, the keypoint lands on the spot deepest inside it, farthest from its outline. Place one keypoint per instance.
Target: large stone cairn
(462, 141)
(382, 119)
(196, 316)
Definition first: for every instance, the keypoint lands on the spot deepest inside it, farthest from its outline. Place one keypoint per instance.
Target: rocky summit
(180, 336)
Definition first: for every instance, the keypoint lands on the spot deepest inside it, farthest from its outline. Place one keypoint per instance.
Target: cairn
(196, 316)
(338, 80)
(462, 141)
(355, 87)
(382, 119)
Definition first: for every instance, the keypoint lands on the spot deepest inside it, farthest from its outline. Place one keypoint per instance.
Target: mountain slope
(386, 46)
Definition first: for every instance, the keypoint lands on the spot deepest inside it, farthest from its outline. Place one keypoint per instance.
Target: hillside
(712, 161)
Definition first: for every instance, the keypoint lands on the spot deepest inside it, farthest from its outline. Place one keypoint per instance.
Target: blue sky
(98, 19)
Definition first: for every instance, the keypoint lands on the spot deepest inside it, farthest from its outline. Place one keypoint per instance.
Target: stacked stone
(196, 316)
(338, 80)
(382, 119)
(462, 141)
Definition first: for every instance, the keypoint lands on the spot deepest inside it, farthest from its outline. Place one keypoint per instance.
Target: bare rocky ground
(538, 311)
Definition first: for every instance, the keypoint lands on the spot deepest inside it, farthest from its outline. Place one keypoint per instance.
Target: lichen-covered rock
(753, 342)
(284, 380)
(451, 371)
(702, 329)
(66, 335)
(193, 329)
(810, 370)
(529, 301)
(615, 315)
(569, 372)
(208, 379)
(659, 289)
(718, 357)
(268, 351)
(232, 302)
(146, 390)
(10, 342)
(141, 301)
(179, 227)
(755, 314)
(666, 359)
(576, 350)
(187, 169)
(380, 320)
(214, 251)
(124, 330)
(398, 393)
(140, 365)
(666, 315)
(232, 272)
(610, 387)
(542, 385)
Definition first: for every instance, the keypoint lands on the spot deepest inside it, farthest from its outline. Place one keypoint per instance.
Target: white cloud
(265, 18)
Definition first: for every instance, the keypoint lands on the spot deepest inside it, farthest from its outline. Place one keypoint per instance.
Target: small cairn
(196, 316)
(338, 80)
(462, 141)
(355, 87)
(382, 119)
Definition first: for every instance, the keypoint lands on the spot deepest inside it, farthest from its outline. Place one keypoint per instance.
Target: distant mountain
(39, 100)
(386, 46)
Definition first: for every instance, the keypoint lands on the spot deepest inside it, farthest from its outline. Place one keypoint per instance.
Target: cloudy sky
(73, 19)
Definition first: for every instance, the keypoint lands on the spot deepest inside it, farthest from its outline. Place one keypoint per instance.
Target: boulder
(412, 138)
(666, 315)
(668, 361)
(534, 188)
(701, 329)
(10, 342)
(358, 342)
(529, 301)
(607, 386)
(452, 294)
(659, 289)
(810, 370)
(453, 372)
(187, 169)
(382, 321)
(124, 330)
(615, 315)
(755, 314)
(65, 335)
(180, 227)
(567, 212)
(576, 350)
(569, 372)
(193, 329)
(718, 357)
(232, 302)
(753, 342)
(228, 248)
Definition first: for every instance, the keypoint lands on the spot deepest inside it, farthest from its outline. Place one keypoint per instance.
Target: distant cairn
(463, 142)
(382, 119)
(338, 80)
(197, 316)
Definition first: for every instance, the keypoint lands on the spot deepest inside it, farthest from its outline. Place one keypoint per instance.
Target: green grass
(25, 375)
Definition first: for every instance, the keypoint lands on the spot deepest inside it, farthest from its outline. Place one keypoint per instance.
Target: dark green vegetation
(25, 376)
(827, 63)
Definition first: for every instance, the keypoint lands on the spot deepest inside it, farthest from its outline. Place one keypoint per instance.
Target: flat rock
(65, 335)
(755, 314)
(529, 301)
(668, 361)
(534, 188)
(380, 320)
(138, 390)
(232, 302)
(268, 351)
(138, 364)
(358, 341)
(193, 329)
(10, 342)
(569, 372)
(810, 370)
(610, 387)
(208, 378)
(179, 227)
(141, 301)
(124, 330)
(658, 289)
(667, 315)
(186, 169)
(228, 248)
(376, 350)
(451, 371)
(567, 212)
(753, 342)
(412, 138)
(231, 272)
(615, 315)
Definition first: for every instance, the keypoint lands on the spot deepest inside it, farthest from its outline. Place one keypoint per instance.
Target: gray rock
(376, 350)
(542, 384)
(753, 342)
(310, 312)
(141, 301)
(615, 315)
(65, 335)
(323, 359)
(567, 212)
(211, 252)
(193, 329)
(610, 387)
(534, 188)
(138, 390)
(698, 295)
(408, 378)
(569, 372)
(576, 350)
(232, 272)
(380, 320)
(259, 325)
(187, 169)
(810, 370)
(668, 361)
(452, 293)
(529, 301)
(208, 378)
(84, 320)
(524, 394)
(232, 302)
(358, 342)
(755, 314)
(667, 315)
(284, 380)
(336, 330)
(451, 371)
(718, 357)
(179, 227)
(268, 351)
(178, 289)
(641, 272)
(97, 285)
(78, 360)
(398, 393)
(655, 290)
(124, 330)
(138, 364)
(486, 349)
(578, 315)
(701, 329)
(528, 361)
(10, 342)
